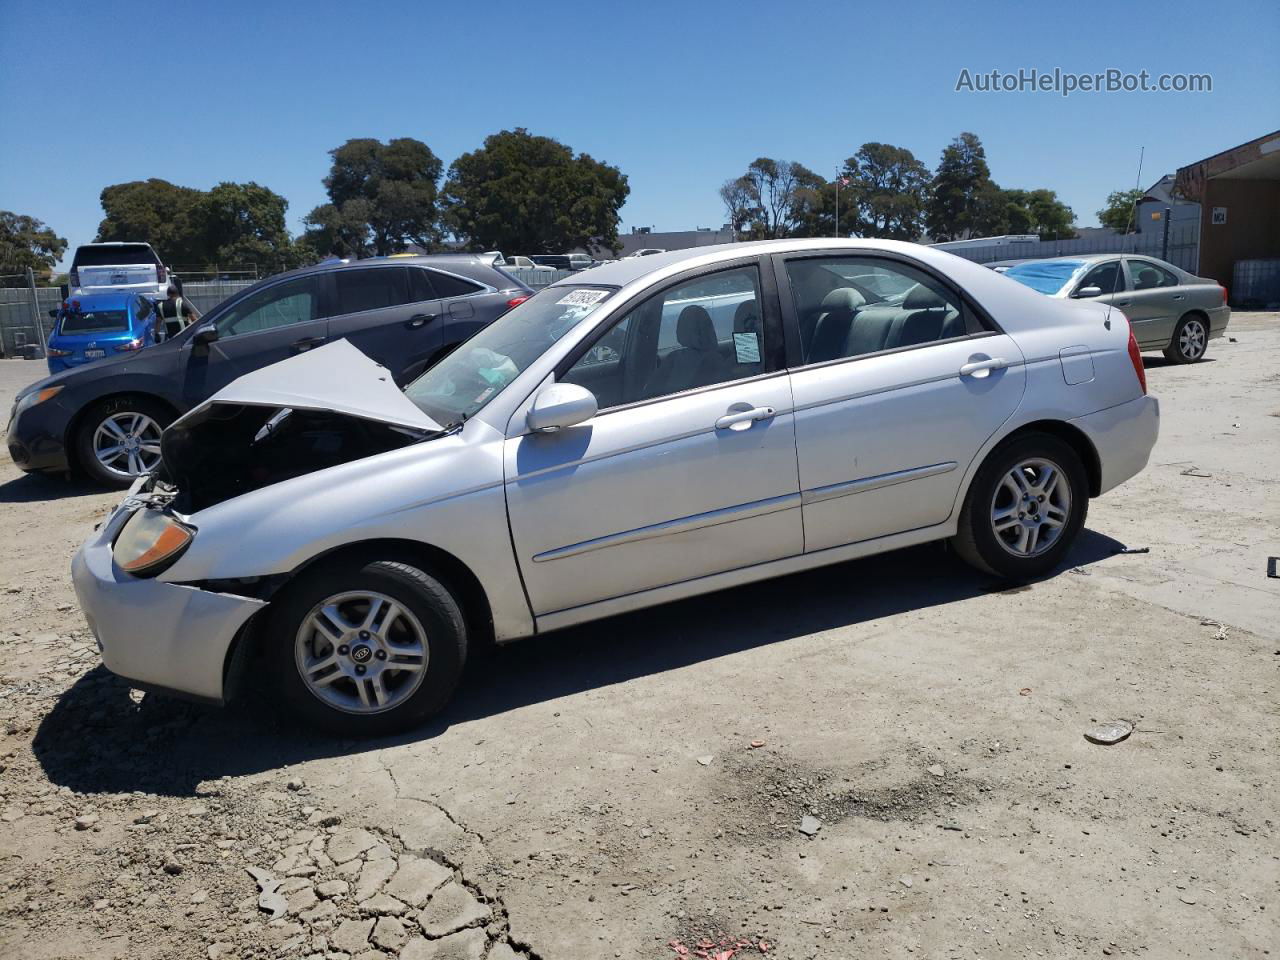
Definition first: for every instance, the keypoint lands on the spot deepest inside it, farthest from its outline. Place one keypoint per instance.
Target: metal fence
(1182, 247)
(25, 323)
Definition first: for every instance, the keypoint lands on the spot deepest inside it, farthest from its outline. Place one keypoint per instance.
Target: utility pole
(1164, 245)
(35, 310)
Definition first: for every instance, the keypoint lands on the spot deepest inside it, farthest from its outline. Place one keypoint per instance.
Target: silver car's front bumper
(1124, 436)
(156, 634)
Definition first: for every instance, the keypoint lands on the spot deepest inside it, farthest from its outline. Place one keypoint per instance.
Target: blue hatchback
(100, 325)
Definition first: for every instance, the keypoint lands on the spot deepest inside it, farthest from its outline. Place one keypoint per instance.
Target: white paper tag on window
(583, 298)
(747, 347)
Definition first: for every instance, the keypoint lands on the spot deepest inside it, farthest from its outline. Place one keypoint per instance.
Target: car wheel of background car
(367, 648)
(1190, 340)
(119, 439)
(1024, 508)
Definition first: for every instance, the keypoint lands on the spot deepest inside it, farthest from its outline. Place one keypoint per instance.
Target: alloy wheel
(361, 652)
(1192, 340)
(127, 444)
(1031, 507)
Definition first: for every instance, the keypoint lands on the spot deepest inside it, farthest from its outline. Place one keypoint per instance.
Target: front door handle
(1180, 296)
(982, 368)
(1123, 303)
(419, 320)
(741, 419)
(306, 343)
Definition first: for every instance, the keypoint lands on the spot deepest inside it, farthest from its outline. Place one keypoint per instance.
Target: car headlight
(149, 542)
(36, 396)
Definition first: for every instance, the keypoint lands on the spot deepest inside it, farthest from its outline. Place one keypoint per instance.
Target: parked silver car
(661, 427)
(1169, 309)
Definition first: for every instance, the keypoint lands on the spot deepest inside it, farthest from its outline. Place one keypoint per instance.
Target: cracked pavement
(636, 787)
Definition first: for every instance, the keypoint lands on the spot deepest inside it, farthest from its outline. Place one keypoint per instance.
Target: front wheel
(119, 439)
(1190, 340)
(367, 648)
(1024, 509)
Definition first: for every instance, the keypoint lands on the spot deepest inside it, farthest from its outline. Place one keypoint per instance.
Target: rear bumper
(1219, 317)
(158, 635)
(1124, 437)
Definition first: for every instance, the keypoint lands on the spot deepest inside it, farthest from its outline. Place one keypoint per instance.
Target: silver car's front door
(656, 494)
(1153, 302)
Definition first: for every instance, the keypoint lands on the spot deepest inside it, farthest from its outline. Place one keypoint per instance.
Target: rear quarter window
(447, 285)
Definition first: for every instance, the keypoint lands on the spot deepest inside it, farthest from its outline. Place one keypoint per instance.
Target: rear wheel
(119, 439)
(1190, 340)
(1024, 509)
(367, 648)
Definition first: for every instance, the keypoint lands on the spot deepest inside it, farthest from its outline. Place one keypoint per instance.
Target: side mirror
(561, 405)
(1085, 292)
(205, 335)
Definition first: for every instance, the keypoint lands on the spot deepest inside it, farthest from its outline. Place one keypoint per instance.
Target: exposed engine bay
(226, 450)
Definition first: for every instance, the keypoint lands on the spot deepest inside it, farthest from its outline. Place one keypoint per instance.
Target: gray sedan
(1168, 309)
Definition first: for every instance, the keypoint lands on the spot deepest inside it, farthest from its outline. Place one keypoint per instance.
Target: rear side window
(447, 285)
(142, 309)
(850, 306)
(1148, 276)
(115, 256)
(374, 289)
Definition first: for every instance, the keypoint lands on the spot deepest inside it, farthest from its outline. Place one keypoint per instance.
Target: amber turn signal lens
(150, 541)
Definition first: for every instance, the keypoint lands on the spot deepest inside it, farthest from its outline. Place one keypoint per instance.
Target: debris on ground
(705, 760)
(810, 825)
(1196, 472)
(1131, 550)
(1113, 731)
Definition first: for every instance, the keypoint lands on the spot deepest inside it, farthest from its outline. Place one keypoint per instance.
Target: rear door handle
(1122, 303)
(983, 368)
(306, 343)
(420, 320)
(741, 418)
(1180, 296)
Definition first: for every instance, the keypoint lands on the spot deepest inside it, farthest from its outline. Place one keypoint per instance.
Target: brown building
(1239, 195)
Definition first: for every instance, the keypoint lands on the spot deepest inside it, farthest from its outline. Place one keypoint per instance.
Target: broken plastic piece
(1113, 731)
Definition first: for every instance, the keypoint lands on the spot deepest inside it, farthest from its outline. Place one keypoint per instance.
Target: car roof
(471, 265)
(103, 301)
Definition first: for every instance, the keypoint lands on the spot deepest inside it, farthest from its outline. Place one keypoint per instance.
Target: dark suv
(105, 418)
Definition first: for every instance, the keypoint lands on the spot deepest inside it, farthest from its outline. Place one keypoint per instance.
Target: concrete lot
(596, 793)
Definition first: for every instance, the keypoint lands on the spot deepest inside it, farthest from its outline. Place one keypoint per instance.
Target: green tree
(775, 198)
(1118, 214)
(156, 212)
(961, 182)
(382, 197)
(522, 193)
(26, 242)
(886, 194)
(242, 223)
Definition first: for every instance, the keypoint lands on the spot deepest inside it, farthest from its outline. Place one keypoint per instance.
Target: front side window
(700, 333)
(373, 289)
(280, 305)
(1107, 277)
(850, 306)
(1148, 276)
(457, 387)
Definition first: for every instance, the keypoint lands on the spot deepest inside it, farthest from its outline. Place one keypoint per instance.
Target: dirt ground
(636, 788)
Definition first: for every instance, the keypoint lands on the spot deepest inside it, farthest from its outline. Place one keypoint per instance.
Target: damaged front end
(326, 407)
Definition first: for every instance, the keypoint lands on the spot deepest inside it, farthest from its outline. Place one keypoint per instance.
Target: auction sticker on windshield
(583, 298)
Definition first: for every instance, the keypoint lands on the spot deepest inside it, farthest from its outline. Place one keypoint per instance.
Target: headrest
(746, 319)
(922, 298)
(695, 330)
(843, 298)
(1148, 277)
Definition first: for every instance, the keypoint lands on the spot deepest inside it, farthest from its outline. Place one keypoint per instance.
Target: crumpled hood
(335, 377)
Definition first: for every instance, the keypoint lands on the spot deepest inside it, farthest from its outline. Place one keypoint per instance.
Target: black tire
(422, 595)
(87, 457)
(1186, 346)
(976, 539)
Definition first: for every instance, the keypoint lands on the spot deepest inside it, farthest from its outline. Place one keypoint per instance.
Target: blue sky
(681, 96)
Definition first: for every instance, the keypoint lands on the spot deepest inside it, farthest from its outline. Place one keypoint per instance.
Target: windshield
(1045, 276)
(95, 321)
(457, 387)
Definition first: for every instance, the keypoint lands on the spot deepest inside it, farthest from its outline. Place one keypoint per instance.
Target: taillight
(516, 301)
(1135, 356)
(1224, 293)
(134, 344)
(55, 352)
(75, 277)
(162, 273)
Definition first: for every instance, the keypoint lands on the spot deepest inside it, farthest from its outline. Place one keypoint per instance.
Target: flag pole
(837, 204)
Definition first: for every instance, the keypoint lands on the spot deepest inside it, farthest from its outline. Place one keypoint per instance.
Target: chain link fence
(1181, 247)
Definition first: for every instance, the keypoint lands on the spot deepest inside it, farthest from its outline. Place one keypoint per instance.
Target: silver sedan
(661, 427)
(1169, 309)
